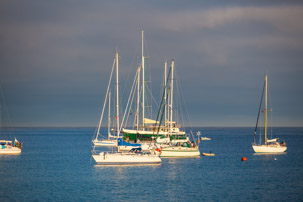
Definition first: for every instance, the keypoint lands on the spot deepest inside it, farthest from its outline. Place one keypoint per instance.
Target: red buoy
(243, 159)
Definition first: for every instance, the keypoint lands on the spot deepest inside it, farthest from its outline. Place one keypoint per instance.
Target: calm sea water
(56, 165)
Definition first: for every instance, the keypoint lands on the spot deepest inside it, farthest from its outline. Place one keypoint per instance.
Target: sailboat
(270, 145)
(147, 130)
(176, 147)
(8, 146)
(111, 140)
(135, 156)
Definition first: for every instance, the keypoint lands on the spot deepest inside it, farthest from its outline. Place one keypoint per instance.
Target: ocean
(56, 165)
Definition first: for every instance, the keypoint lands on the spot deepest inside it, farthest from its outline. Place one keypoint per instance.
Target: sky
(55, 57)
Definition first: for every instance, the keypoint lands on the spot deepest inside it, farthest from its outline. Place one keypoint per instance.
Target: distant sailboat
(272, 145)
(8, 146)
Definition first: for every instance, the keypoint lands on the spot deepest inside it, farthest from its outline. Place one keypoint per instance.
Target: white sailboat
(272, 145)
(134, 156)
(111, 140)
(176, 148)
(8, 146)
(145, 129)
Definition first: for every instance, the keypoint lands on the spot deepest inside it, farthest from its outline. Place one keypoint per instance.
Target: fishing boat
(205, 138)
(134, 156)
(111, 140)
(270, 145)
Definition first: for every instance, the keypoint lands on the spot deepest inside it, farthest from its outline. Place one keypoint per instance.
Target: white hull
(105, 158)
(105, 143)
(208, 154)
(269, 148)
(180, 152)
(10, 150)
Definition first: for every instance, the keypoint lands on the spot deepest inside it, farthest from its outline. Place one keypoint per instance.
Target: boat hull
(269, 148)
(180, 152)
(105, 158)
(208, 154)
(10, 150)
(106, 143)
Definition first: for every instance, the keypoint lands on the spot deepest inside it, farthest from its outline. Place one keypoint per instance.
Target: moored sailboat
(111, 140)
(146, 129)
(270, 145)
(135, 156)
(176, 147)
(8, 146)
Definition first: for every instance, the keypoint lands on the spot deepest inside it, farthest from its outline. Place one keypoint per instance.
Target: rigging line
(105, 101)
(127, 105)
(135, 59)
(270, 106)
(131, 103)
(186, 110)
(259, 111)
(167, 79)
(6, 114)
(153, 99)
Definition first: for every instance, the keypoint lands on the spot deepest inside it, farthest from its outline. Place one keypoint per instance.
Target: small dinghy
(208, 154)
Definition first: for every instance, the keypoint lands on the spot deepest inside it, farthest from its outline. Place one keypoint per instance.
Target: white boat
(111, 140)
(208, 154)
(176, 147)
(7, 146)
(186, 149)
(144, 128)
(134, 156)
(269, 146)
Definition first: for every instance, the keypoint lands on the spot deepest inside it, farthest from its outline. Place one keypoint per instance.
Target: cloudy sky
(55, 57)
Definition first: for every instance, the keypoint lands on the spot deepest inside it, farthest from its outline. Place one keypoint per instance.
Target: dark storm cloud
(56, 56)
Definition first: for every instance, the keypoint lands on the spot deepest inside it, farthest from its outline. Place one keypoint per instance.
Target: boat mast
(165, 104)
(171, 95)
(108, 127)
(265, 126)
(138, 96)
(117, 86)
(143, 81)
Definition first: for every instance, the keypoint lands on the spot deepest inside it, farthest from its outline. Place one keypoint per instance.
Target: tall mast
(108, 127)
(117, 91)
(171, 95)
(138, 96)
(0, 115)
(265, 126)
(143, 81)
(165, 104)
